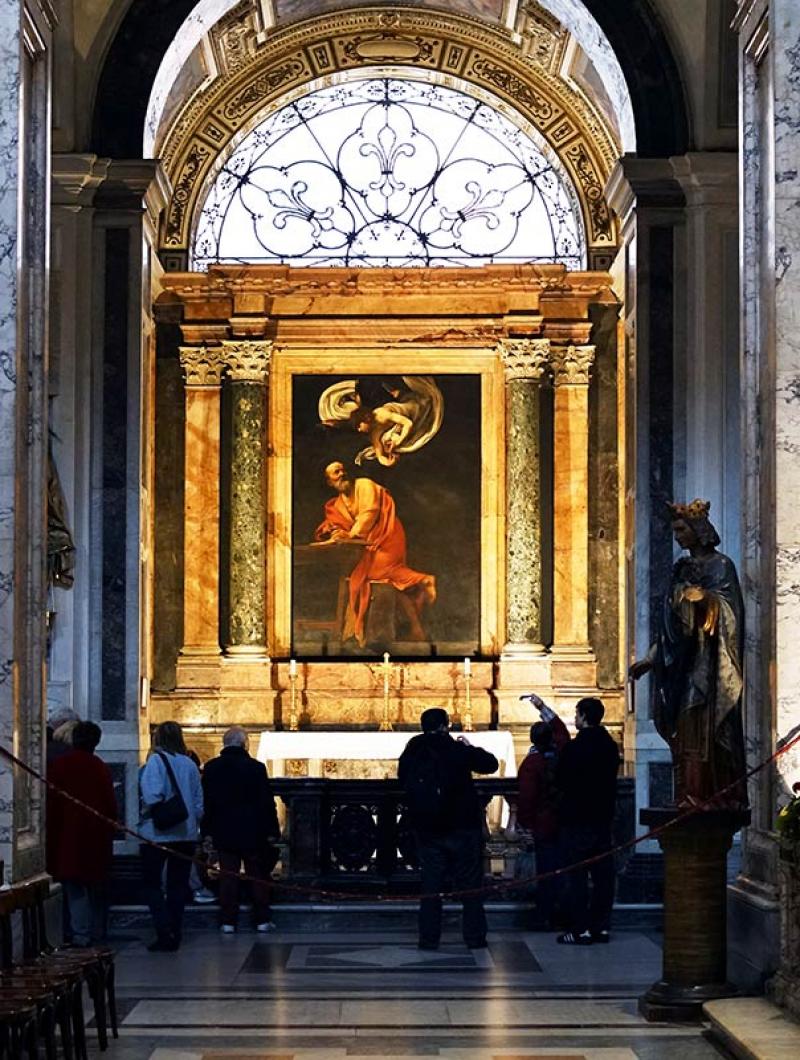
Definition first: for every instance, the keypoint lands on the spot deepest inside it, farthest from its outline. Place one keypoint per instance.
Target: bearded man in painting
(364, 511)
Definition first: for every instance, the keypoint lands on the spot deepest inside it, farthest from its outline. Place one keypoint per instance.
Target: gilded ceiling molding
(525, 358)
(267, 72)
(247, 359)
(202, 365)
(572, 365)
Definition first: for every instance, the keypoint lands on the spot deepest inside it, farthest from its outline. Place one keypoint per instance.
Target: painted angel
(400, 414)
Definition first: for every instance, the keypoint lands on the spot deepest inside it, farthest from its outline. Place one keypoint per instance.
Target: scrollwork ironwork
(390, 172)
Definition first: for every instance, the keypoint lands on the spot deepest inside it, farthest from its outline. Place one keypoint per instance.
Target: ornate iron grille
(389, 172)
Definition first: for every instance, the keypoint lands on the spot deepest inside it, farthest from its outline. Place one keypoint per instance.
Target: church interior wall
(679, 369)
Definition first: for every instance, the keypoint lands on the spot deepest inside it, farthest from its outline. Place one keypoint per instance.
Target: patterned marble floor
(356, 995)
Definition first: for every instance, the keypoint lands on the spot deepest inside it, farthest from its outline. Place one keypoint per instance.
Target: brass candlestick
(386, 725)
(292, 697)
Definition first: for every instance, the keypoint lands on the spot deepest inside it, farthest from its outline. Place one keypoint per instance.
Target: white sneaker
(228, 929)
(203, 896)
(268, 925)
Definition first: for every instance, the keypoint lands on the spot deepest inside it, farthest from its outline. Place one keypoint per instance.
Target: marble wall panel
(169, 456)
(115, 454)
(604, 583)
(9, 146)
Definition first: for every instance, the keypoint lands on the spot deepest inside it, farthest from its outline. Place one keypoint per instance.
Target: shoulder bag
(170, 811)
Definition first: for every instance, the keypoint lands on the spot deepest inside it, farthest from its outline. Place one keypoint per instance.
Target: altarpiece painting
(386, 515)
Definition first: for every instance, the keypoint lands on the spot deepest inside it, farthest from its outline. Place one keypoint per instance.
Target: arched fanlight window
(390, 172)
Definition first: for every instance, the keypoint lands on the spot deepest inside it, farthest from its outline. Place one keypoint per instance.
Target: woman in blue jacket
(168, 771)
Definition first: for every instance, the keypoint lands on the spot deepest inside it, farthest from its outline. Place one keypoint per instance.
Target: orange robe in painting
(370, 516)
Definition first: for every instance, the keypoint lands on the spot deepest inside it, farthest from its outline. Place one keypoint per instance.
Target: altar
(369, 756)
(360, 755)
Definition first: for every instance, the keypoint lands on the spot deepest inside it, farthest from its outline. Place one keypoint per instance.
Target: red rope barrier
(500, 885)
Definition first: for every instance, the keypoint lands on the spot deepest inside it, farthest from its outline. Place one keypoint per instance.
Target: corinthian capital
(247, 359)
(525, 358)
(202, 365)
(571, 365)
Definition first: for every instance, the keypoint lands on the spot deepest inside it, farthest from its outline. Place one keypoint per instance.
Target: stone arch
(253, 77)
(632, 28)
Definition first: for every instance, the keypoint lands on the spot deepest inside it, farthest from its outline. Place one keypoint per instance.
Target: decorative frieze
(525, 358)
(202, 365)
(572, 365)
(247, 359)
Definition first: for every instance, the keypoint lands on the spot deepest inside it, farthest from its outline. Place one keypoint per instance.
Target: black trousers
(254, 865)
(166, 906)
(577, 843)
(453, 859)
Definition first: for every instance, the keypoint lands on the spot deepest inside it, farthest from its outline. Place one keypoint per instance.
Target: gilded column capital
(247, 359)
(202, 365)
(572, 365)
(524, 358)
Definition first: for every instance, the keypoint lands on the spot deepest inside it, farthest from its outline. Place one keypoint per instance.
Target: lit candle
(386, 673)
(467, 666)
(293, 668)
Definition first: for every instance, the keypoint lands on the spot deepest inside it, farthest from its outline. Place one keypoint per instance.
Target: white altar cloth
(274, 748)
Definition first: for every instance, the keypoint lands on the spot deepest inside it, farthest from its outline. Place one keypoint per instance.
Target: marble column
(248, 365)
(203, 366)
(525, 361)
(571, 368)
(769, 86)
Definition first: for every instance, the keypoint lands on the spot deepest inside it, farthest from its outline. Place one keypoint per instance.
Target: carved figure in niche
(403, 424)
(697, 666)
(60, 546)
(363, 511)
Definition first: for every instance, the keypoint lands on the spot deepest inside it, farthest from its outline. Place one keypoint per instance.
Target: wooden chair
(19, 1030)
(94, 964)
(49, 995)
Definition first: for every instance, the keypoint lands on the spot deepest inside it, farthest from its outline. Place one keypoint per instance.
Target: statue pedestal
(695, 912)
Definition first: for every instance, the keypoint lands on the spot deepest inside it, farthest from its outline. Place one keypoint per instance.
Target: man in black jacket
(586, 779)
(447, 817)
(241, 818)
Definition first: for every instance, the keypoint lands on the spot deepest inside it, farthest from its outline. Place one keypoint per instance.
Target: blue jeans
(166, 907)
(87, 905)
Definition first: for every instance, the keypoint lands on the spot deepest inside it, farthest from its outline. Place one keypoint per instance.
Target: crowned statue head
(691, 524)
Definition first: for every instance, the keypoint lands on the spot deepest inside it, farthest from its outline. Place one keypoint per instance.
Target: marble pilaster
(24, 320)
(248, 365)
(203, 366)
(571, 369)
(75, 181)
(769, 37)
(525, 362)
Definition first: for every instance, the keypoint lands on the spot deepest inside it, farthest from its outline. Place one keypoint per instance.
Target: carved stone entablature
(572, 365)
(202, 365)
(247, 360)
(525, 358)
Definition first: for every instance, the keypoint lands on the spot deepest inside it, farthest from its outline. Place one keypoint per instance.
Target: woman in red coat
(80, 845)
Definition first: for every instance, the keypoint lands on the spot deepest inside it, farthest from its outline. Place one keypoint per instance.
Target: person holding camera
(586, 782)
(448, 820)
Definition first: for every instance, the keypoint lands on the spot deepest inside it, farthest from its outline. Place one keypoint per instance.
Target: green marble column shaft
(525, 364)
(247, 362)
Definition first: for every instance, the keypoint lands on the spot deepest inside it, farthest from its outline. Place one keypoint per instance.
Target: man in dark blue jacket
(586, 779)
(447, 817)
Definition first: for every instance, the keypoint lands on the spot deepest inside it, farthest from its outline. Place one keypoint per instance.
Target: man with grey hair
(241, 819)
